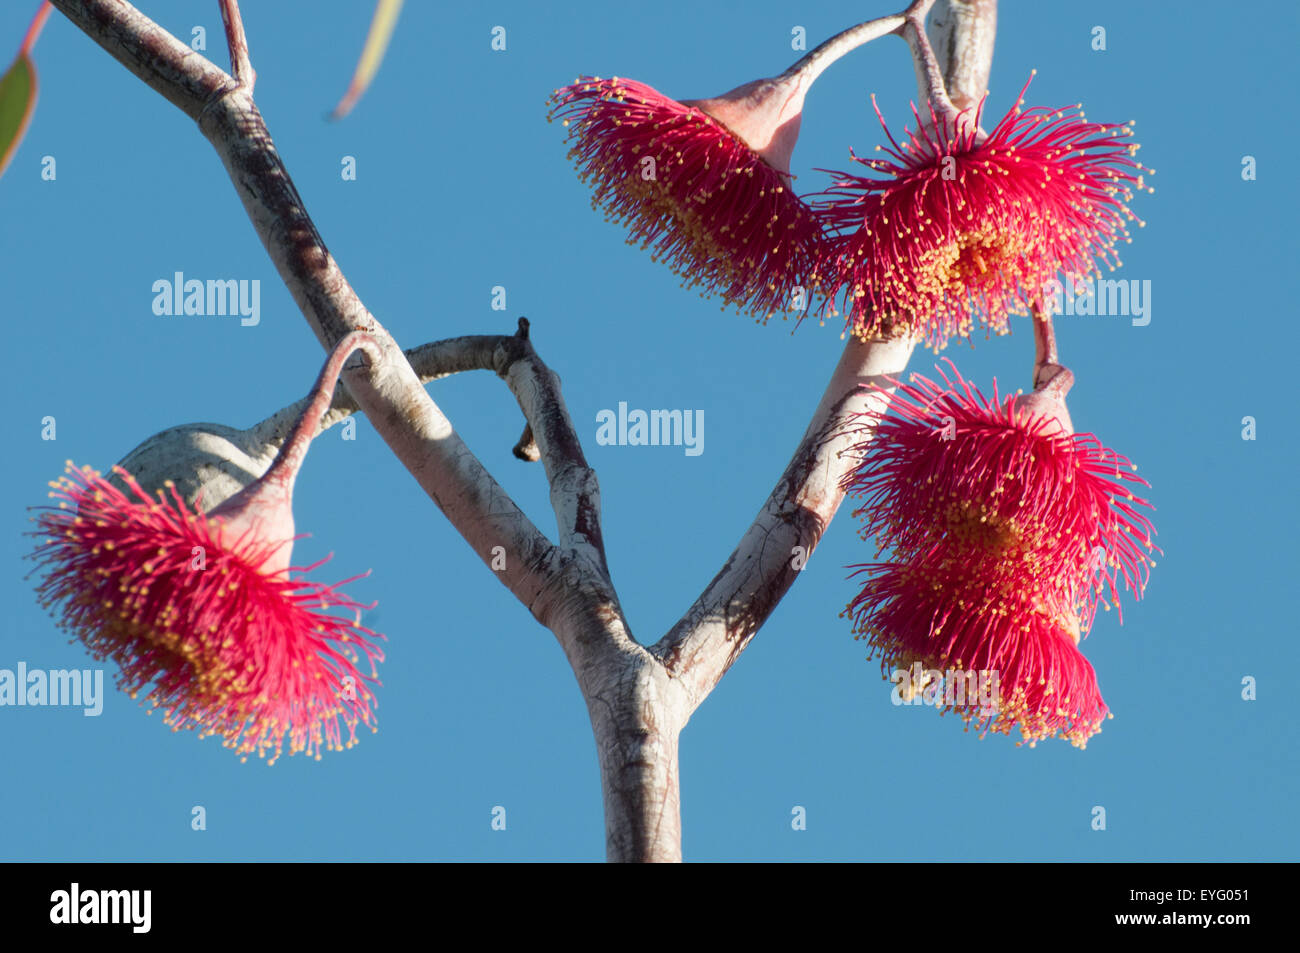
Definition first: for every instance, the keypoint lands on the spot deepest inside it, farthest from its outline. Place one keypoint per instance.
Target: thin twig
(817, 60)
(431, 362)
(929, 77)
(1046, 359)
(963, 33)
(240, 64)
(390, 394)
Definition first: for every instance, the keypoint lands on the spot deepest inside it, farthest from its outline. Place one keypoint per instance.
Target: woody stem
(1046, 358)
(241, 67)
(815, 62)
(290, 457)
(929, 76)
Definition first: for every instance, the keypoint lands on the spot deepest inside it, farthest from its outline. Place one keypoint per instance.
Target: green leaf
(17, 102)
(372, 54)
(18, 90)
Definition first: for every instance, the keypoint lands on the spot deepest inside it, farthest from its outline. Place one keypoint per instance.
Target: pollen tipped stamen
(694, 192)
(202, 614)
(954, 231)
(1007, 530)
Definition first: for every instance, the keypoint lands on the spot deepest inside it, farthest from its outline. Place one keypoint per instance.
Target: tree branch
(716, 628)
(434, 361)
(817, 60)
(186, 79)
(713, 632)
(394, 399)
(929, 75)
(638, 699)
(240, 64)
(963, 32)
(210, 462)
(575, 491)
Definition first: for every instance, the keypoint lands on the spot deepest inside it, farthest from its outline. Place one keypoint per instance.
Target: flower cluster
(202, 612)
(955, 227)
(191, 615)
(693, 191)
(1006, 529)
(1006, 532)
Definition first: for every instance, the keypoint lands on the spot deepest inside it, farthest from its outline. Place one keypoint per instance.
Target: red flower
(1010, 492)
(705, 184)
(200, 612)
(1042, 684)
(1006, 529)
(961, 226)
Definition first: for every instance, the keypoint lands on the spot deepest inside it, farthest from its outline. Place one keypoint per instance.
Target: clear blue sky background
(462, 185)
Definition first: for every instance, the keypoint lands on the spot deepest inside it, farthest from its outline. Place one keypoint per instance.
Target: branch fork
(639, 698)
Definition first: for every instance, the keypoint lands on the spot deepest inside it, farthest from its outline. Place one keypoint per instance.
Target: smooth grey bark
(963, 33)
(638, 698)
(210, 462)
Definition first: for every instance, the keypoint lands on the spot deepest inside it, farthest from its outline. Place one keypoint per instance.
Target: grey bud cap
(207, 462)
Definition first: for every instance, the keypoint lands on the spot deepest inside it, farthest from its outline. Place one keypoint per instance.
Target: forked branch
(720, 623)
(394, 400)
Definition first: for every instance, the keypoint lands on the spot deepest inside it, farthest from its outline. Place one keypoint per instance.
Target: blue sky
(462, 185)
